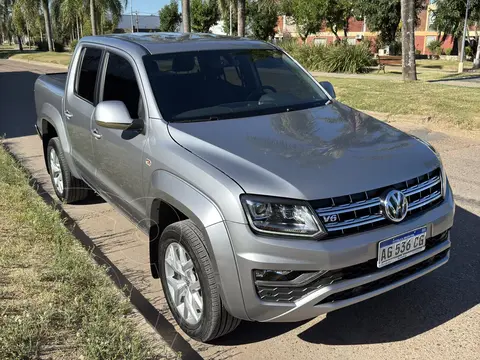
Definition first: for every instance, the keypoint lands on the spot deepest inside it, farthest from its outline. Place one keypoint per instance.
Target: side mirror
(113, 115)
(327, 85)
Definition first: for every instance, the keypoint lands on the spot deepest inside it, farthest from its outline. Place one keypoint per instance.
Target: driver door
(118, 154)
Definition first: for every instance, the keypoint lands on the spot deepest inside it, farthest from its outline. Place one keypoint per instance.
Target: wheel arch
(173, 196)
(51, 125)
(171, 200)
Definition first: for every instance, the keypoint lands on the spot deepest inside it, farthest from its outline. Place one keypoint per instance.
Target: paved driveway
(435, 317)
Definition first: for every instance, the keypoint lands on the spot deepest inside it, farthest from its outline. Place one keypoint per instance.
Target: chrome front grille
(361, 211)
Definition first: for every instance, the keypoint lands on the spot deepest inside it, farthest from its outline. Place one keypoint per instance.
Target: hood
(309, 154)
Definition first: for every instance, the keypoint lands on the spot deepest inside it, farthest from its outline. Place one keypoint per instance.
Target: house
(358, 30)
(140, 23)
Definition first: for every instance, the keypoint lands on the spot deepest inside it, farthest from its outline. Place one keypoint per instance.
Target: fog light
(274, 275)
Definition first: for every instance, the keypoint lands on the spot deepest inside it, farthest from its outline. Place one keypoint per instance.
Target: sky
(147, 7)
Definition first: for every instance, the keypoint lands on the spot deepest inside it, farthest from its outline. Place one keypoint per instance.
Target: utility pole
(465, 29)
(136, 12)
(131, 14)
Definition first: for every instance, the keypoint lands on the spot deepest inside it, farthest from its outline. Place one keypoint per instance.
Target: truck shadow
(400, 314)
(17, 104)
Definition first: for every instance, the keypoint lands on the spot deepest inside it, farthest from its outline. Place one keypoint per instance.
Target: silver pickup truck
(265, 199)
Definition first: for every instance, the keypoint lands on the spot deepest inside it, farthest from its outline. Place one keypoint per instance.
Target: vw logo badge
(395, 205)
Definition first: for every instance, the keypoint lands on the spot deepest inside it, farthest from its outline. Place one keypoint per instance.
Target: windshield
(225, 84)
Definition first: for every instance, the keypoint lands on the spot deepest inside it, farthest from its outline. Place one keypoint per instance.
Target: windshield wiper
(210, 118)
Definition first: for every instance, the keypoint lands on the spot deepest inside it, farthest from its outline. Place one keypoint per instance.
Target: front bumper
(270, 253)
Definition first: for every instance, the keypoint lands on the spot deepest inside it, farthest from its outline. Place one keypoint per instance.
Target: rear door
(119, 158)
(80, 101)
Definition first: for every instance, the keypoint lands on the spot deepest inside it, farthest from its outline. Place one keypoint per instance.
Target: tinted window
(88, 74)
(121, 84)
(222, 84)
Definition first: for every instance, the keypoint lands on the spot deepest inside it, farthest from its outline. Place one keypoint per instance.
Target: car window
(224, 84)
(121, 84)
(87, 76)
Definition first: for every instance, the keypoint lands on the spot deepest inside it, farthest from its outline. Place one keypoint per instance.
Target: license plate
(401, 246)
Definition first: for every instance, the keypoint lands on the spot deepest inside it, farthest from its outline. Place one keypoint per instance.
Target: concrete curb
(150, 314)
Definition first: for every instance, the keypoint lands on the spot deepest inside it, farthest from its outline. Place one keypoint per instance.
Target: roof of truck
(161, 42)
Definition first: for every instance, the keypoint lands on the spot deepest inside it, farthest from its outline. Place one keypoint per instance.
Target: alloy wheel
(183, 283)
(56, 170)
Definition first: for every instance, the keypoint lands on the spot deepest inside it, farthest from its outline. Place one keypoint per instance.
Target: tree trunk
(409, 69)
(241, 17)
(92, 17)
(186, 16)
(48, 25)
(78, 30)
(476, 61)
(20, 47)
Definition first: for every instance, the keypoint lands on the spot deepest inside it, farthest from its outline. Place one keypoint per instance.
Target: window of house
(87, 76)
(121, 84)
(430, 38)
(431, 20)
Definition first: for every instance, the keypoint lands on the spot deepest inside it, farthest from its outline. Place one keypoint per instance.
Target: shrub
(307, 55)
(435, 47)
(418, 52)
(340, 57)
(43, 46)
(395, 48)
(73, 45)
(448, 51)
(346, 58)
(468, 51)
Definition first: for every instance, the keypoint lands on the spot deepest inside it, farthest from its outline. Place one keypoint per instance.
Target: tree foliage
(262, 18)
(204, 15)
(170, 18)
(384, 16)
(337, 14)
(450, 15)
(308, 15)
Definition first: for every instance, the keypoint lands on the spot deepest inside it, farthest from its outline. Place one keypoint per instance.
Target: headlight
(281, 216)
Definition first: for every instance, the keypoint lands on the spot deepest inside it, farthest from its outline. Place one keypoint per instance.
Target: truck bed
(49, 90)
(60, 79)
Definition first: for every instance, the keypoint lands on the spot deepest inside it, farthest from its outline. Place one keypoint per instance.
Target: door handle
(96, 134)
(68, 114)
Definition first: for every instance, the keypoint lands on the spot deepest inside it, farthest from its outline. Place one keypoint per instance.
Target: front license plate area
(400, 247)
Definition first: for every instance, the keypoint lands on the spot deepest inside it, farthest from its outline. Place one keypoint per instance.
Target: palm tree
(241, 17)
(186, 15)
(92, 17)
(227, 9)
(48, 24)
(103, 7)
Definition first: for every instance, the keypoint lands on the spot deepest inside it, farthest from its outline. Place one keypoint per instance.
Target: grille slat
(422, 192)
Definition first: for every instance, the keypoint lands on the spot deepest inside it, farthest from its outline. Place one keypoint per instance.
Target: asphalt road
(435, 317)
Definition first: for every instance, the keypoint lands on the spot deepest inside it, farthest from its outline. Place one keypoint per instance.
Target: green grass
(47, 57)
(55, 302)
(30, 55)
(448, 65)
(453, 105)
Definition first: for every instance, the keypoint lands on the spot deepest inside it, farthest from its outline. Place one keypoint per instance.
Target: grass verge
(453, 105)
(62, 58)
(55, 302)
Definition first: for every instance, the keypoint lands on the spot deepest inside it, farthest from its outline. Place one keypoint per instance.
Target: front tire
(189, 284)
(67, 188)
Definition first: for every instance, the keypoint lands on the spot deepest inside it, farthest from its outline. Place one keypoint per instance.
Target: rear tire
(212, 320)
(68, 188)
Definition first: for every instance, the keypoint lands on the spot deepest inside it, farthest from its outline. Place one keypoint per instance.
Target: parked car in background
(264, 198)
